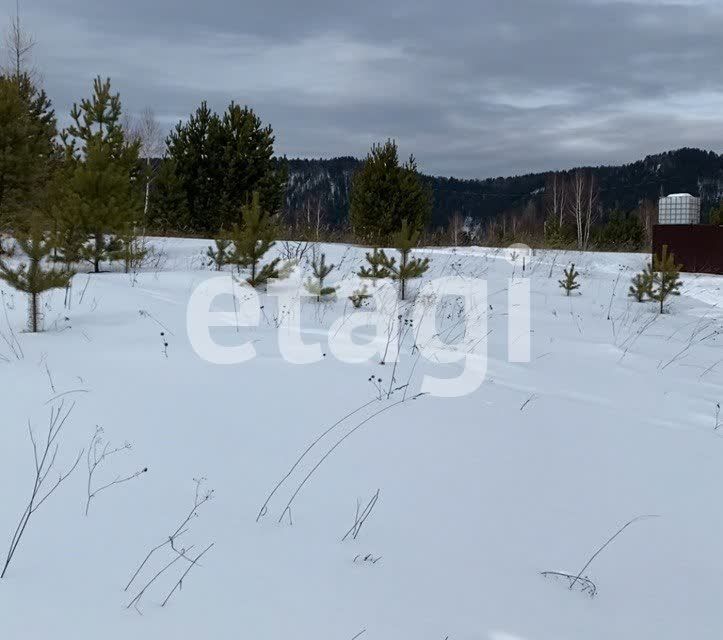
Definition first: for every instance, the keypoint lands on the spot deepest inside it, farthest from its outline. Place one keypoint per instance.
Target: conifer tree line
(68, 198)
(83, 198)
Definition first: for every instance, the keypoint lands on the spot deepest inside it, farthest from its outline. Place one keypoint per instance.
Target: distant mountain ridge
(319, 189)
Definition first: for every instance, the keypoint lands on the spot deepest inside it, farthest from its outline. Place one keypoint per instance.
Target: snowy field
(614, 417)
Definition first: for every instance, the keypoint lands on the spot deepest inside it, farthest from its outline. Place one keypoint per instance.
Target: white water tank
(679, 208)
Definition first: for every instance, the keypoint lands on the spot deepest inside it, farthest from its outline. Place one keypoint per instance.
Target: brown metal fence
(698, 247)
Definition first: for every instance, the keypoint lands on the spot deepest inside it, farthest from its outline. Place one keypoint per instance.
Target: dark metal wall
(698, 247)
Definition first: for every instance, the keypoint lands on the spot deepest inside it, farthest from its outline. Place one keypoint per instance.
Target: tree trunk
(145, 204)
(98, 251)
(148, 191)
(34, 312)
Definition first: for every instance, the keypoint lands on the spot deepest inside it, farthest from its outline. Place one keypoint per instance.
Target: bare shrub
(45, 454)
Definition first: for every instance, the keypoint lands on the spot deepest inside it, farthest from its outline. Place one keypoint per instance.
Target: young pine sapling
(642, 284)
(133, 250)
(408, 268)
(251, 242)
(570, 282)
(220, 255)
(315, 285)
(32, 277)
(376, 269)
(666, 277)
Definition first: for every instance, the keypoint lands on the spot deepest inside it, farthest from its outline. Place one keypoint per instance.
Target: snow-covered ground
(614, 417)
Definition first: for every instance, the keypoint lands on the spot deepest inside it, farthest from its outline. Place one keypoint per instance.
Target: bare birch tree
(146, 129)
(456, 227)
(556, 192)
(19, 44)
(582, 202)
(648, 215)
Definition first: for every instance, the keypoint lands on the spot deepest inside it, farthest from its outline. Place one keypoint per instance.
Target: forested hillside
(318, 190)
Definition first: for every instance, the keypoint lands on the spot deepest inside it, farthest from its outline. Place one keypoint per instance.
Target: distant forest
(318, 190)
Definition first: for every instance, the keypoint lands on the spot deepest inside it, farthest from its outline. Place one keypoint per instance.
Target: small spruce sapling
(642, 284)
(315, 285)
(570, 282)
(251, 242)
(666, 280)
(31, 276)
(220, 255)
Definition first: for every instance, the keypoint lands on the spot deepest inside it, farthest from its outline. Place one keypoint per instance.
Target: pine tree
(666, 277)
(248, 163)
(43, 122)
(376, 269)
(570, 283)
(27, 132)
(31, 276)
(16, 158)
(67, 213)
(621, 232)
(220, 255)
(558, 236)
(104, 167)
(642, 284)
(108, 204)
(219, 161)
(384, 193)
(315, 285)
(195, 149)
(252, 239)
(716, 215)
(408, 268)
(167, 200)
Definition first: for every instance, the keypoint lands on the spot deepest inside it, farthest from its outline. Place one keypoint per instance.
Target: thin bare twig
(96, 457)
(333, 448)
(603, 547)
(198, 501)
(586, 585)
(360, 519)
(44, 457)
(264, 506)
(137, 598)
(179, 584)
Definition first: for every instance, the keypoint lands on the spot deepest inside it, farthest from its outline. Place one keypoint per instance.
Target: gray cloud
(473, 88)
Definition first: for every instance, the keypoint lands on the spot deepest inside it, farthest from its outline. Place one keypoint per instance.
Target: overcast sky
(474, 88)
